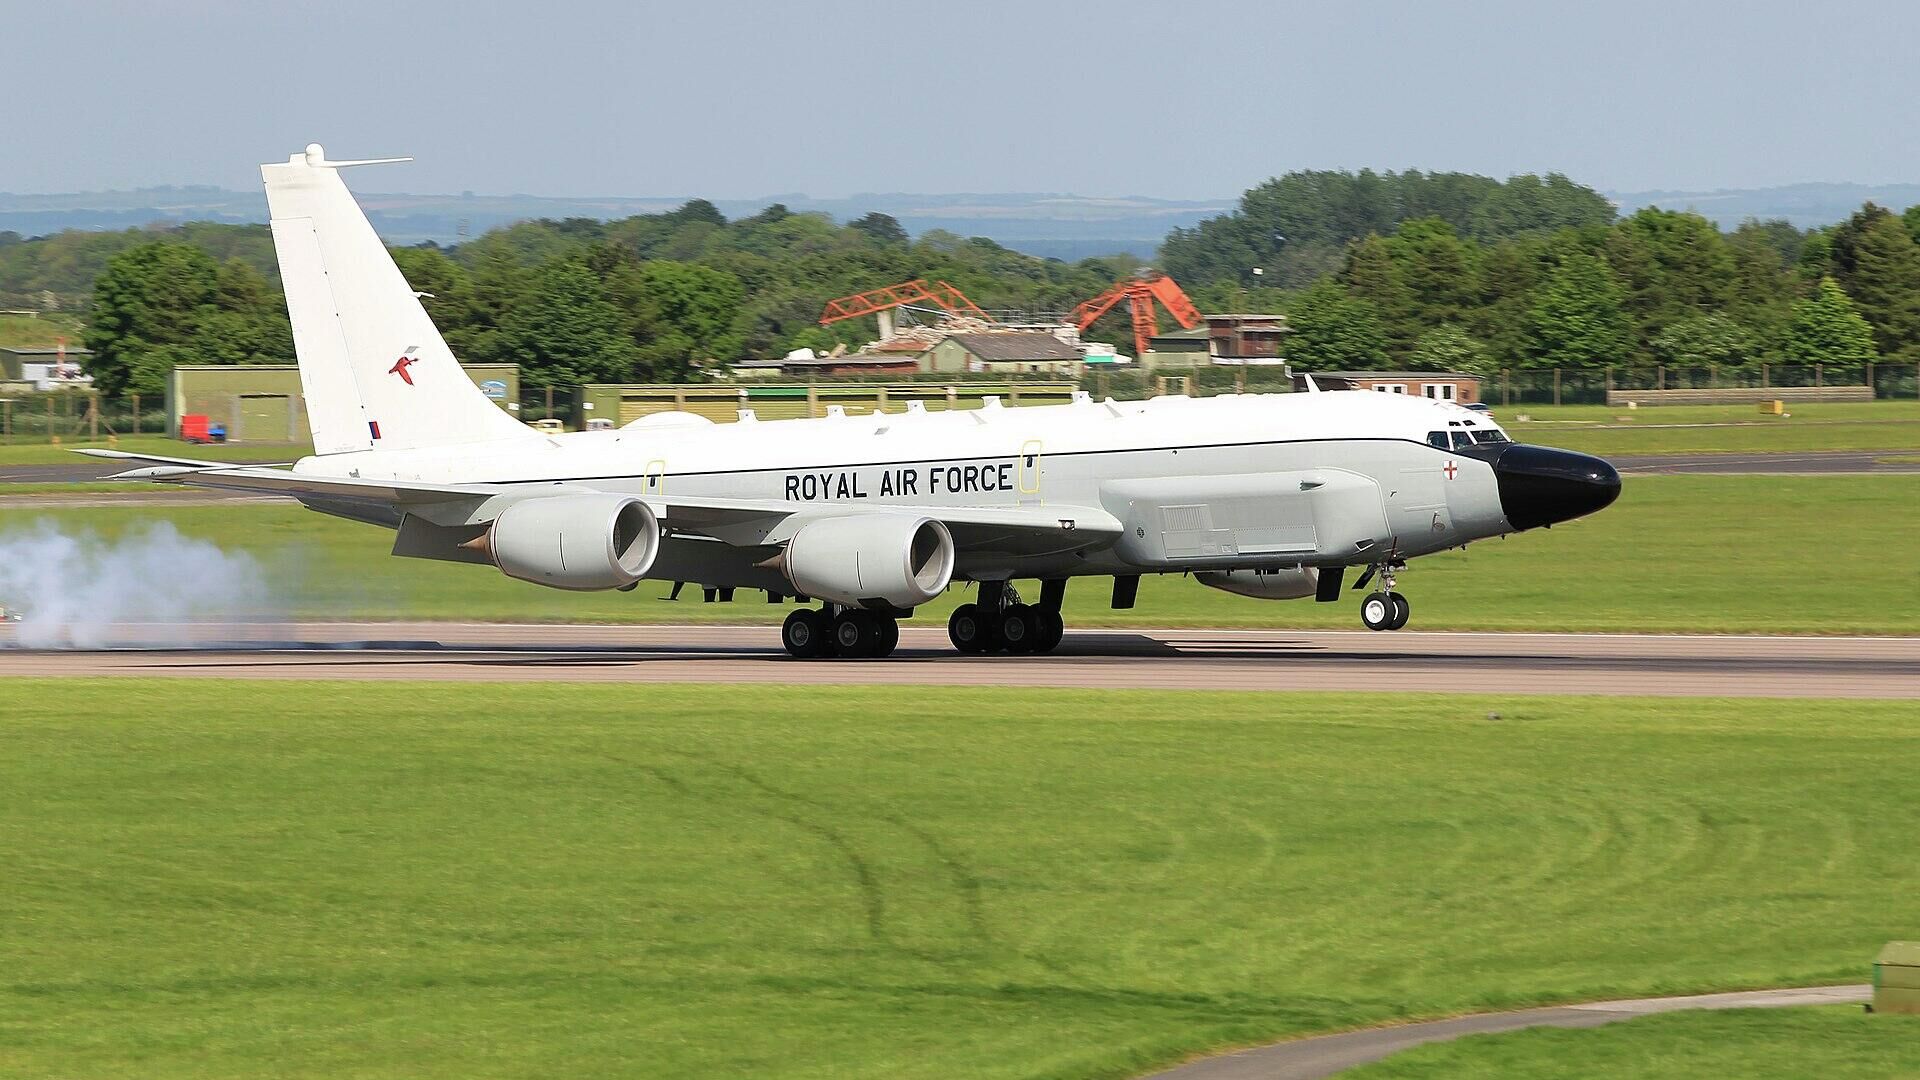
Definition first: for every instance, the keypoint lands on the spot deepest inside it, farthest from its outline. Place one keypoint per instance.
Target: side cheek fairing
(1474, 499)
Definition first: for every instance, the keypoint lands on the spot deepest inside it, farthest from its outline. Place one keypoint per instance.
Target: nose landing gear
(1384, 609)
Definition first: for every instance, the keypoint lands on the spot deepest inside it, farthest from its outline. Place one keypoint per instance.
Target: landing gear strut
(1000, 621)
(850, 633)
(1384, 609)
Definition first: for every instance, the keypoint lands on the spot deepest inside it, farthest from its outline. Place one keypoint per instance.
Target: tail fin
(376, 374)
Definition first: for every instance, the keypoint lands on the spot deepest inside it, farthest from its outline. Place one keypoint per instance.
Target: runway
(1480, 663)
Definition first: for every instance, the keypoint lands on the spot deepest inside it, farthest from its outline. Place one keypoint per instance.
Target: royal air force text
(908, 482)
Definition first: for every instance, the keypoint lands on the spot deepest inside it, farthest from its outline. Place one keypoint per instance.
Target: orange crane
(1140, 293)
(874, 301)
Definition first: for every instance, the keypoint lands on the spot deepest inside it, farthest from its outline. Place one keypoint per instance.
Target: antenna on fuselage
(1312, 387)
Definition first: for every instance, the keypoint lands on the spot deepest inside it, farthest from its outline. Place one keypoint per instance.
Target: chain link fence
(1589, 386)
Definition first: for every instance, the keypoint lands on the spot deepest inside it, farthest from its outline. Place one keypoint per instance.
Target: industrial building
(1010, 352)
(263, 403)
(25, 369)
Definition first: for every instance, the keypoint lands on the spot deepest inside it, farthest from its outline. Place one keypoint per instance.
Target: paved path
(1326, 1055)
(1175, 659)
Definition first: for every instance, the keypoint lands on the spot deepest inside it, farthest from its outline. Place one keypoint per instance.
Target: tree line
(1543, 274)
(654, 297)
(1422, 270)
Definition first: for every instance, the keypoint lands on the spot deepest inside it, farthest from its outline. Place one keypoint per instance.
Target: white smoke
(148, 586)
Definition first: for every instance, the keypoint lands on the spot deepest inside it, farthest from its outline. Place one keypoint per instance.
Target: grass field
(45, 331)
(210, 879)
(1676, 553)
(1832, 1042)
(1670, 429)
(38, 453)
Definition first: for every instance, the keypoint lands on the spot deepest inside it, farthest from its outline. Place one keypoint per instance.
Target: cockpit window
(1491, 436)
(1437, 440)
(1462, 440)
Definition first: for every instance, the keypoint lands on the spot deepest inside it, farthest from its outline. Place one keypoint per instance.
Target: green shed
(263, 403)
(1896, 978)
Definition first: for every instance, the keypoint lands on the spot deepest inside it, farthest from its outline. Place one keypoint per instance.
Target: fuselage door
(1029, 470)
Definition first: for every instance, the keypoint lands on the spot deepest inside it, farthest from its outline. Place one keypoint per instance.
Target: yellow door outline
(656, 478)
(1030, 468)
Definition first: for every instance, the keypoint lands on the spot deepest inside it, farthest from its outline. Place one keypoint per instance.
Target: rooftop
(1017, 347)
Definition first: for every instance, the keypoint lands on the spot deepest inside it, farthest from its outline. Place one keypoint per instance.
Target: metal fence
(79, 416)
(1589, 386)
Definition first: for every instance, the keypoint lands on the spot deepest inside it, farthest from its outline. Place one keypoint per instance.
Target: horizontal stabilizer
(157, 459)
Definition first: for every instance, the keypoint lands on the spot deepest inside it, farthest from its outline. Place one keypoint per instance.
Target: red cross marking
(1450, 470)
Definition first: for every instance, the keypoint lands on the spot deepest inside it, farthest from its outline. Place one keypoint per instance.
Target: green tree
(683, 315)
(1910, 217)
(1577, 318)
(1705, 340)
(1671, 266)
(1372, 274)
(1449, 348)
(1437, 269)
(1878, 263)
(1334, 331)
(165, 303)
(1307, 215)
(566, 332)
(1827, 330)
(880, 228)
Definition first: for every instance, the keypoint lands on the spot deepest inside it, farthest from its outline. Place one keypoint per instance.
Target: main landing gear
(1384, 609)
(999, 621)
(851, 633)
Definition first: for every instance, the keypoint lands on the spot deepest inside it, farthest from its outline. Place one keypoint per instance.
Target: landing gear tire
(856, 635)
(1378, 610)
(804, 634)
(1400, 611)
(1052, 629)
(889, 638)
(1020, 628)
(968, 629)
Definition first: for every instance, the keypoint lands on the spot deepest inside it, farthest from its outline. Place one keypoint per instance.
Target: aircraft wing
(741, 522)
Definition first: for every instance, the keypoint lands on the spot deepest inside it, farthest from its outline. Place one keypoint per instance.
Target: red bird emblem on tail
(400, 368)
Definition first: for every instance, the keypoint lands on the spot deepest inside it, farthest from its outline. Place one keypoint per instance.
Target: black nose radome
(1541, 486)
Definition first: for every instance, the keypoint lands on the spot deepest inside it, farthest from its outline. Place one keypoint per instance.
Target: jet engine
(1287, 583)
(579, 542)
(873, 560)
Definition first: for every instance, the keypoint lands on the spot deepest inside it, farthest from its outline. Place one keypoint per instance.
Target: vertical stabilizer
(376, 373)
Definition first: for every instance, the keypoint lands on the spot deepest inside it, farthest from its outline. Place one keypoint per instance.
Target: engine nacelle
(874, 560)
(1288, 583)
(579, 542)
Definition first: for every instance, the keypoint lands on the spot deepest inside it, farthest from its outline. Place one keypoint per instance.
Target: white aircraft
(1269, 495)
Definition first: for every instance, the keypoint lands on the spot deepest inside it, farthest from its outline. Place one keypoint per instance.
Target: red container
(193, 427)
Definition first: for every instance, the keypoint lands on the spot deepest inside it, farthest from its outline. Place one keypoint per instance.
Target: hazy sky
(1173, 98)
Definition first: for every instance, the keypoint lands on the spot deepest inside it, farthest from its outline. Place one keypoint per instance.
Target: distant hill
(1048, 225)
(1805, 205)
